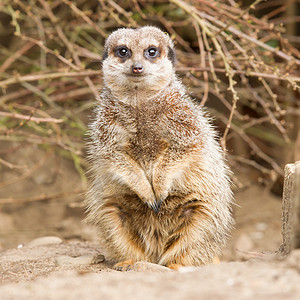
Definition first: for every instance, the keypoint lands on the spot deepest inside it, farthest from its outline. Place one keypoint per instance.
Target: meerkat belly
(155, 234)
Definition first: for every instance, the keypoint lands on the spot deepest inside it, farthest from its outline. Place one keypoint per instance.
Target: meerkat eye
(151, 52)
(122, 51)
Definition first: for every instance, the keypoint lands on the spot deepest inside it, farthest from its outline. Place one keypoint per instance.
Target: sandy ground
(71, 266)
(38, 273)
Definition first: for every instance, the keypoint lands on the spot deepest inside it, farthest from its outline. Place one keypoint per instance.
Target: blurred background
(240, 59)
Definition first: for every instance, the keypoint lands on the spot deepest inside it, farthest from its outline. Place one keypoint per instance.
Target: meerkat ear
(171, 55)
(105, 55)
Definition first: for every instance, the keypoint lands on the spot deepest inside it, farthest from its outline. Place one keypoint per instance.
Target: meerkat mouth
(135, 75)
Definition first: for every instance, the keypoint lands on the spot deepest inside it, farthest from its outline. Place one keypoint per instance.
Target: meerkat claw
(124, 265)
(155, 206)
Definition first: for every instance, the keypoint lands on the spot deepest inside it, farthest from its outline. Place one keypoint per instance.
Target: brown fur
(160, 190)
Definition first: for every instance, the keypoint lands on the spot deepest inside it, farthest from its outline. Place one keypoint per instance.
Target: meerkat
(160, 189)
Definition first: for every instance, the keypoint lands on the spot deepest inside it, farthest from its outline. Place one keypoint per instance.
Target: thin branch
(10, 165)
(30, 118)
(241, 72)
(251, 39)
(28, 78)
(203, 65)
(42, 197)
(15, 56)
(85, 18)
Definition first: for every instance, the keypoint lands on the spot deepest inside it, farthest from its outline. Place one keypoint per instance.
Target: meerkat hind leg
(176, 267)
(191, 242)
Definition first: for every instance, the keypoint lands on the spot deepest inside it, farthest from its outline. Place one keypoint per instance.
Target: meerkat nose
(137, 69)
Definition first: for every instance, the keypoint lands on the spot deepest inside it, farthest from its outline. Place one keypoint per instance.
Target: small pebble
(75, 261)
(231, 281)
(98, 259)
(261, 226)
(46, 240)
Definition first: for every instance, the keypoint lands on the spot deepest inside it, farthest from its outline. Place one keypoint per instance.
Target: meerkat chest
(146, 134)
(146, 130)
(157, 127)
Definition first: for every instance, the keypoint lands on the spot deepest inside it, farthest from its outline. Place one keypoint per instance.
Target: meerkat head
(138, 59)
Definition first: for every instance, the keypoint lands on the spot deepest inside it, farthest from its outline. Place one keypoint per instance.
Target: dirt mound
(38, 273)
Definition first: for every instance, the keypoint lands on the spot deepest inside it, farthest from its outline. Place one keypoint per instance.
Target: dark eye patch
(152, 52)
(171, 55)
(105, 55)
(122, 52)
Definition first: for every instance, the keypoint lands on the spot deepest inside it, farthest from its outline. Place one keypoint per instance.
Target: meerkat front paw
(216, 260)
(140, 266)
(175, 267)
(155, 206)
(124, 265)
